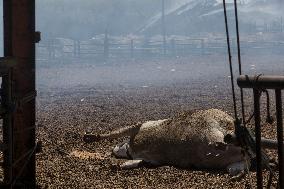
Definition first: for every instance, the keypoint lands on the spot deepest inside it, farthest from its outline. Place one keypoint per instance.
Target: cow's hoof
(89, 138)
(115, 167)
(238, 177)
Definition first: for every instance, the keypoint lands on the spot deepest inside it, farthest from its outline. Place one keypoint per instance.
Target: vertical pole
(280, 136)
(256, 94)
(53, 48)
(281, 24)
(173, 45)
(164, 28)
(132, 48)
(74, 48)
(49, 49)
(106, 46)
(19, 42)
(202, 47)
(8, 118)
(79, 48)
(7, 128)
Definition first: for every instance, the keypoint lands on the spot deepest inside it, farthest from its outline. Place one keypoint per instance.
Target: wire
(247, 169)
(230, 60)
(32, 151)
(239, 58)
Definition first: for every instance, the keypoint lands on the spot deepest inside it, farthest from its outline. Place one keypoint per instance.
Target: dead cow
(187, 140)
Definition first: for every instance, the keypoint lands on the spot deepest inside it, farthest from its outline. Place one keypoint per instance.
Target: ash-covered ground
(101, 97)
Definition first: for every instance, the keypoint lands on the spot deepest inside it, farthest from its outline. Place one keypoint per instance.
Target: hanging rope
(244, 136)
(230, 60)
(239, 58)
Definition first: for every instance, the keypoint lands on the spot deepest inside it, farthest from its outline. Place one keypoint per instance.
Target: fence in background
(107, 47)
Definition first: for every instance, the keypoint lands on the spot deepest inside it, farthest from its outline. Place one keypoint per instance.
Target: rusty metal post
(6, 95)
(7, 119)
(19, 42)
(280, 136)
(256, 94)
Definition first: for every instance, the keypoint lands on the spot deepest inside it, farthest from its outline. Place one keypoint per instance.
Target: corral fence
(106, 47)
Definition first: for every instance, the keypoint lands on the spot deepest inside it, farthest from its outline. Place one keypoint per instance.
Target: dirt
(65, 112)
(63, 117)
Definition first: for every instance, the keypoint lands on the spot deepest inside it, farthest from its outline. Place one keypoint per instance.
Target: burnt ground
(100, 98)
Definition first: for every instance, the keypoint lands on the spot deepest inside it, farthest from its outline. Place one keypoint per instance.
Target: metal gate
(259, 83)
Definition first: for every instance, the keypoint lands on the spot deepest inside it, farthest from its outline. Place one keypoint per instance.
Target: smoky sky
(84, 19)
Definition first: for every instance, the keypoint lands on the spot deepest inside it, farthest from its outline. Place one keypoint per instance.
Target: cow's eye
(220, 146)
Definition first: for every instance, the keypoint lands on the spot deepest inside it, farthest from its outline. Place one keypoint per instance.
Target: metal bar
(269, 119)
(230, 60)
(132, 48)
(239, 60)
(19, 29)
(6, 94)
(265, 143)
(280, 137)
(106, 46)
(256, 94)
(238, 37)
(261, 81)
(164, 28)
(6, 97)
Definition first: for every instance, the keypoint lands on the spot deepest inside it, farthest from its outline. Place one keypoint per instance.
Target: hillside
(85, 19)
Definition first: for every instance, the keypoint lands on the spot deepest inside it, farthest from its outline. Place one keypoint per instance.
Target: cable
(230, 60)
(32, 151)
(239, 58)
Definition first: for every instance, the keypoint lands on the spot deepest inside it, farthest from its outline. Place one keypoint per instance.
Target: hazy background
(88, 42)
(83, 19)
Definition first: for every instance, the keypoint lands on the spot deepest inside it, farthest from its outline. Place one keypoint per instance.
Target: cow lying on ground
(187, 140)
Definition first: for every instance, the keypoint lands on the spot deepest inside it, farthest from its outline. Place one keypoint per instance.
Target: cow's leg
(131, 164)
(121, 150)
(237, 169)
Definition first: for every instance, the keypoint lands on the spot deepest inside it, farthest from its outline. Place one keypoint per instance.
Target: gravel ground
(64, 117)
(65, 112)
